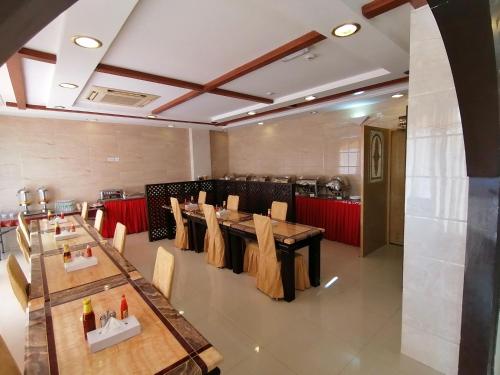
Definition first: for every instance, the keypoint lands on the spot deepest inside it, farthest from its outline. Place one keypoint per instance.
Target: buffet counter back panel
(340, 219)
(255, 197)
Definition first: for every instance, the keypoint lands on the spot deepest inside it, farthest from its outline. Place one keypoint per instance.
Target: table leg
(227, 247)
(191, 240)
(236, 253)
(1, 242)
(288, 274)
(200, 237)
(315, 261)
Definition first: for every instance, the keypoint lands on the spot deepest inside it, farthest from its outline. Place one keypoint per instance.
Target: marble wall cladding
(436, 204)
(219, 151)
(71, 157)
(323, 144)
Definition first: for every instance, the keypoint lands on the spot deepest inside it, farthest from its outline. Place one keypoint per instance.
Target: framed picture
(376, 156)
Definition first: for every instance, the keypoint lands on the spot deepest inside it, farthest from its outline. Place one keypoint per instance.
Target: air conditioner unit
(107, 95)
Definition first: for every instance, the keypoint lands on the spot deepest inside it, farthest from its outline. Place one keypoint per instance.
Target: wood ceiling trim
(295, 45)
(316, 101)
(237, 95)
(16, 74)
(44, 108)
(32, 54)
(418, 3)
(377, 7)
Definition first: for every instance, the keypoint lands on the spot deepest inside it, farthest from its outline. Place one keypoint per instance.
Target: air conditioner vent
(107, 95)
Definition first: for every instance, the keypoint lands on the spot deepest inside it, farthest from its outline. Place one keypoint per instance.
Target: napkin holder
(65, 235)
(80, 262)
(114, 332)
(221, 213)
(58, 220)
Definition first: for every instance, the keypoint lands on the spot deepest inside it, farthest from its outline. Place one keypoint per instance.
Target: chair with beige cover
(24, 227)
(269, 271)
(214, 242)
(278, 210)
(202, 197)
(85, 211)
(119, 237)
(181, 231)
(7, 362)
(232, 202)
(164, 272)
(99, 216)
(18, 282)
(23, 245)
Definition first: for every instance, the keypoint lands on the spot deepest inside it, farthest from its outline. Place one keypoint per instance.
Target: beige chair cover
(214, 242)
(23, 245)
(202, 197)
(269, 273)
(7, 362)
(164, 272)
(181, 233)
(119, 237)
(99, 216)
(20, 285)
(301, 274)
(251, 258)
(278, 210)
(85, 211)
(24, 227)
(232, 202)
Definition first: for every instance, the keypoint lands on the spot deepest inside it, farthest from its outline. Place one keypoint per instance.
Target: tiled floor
(352, 327)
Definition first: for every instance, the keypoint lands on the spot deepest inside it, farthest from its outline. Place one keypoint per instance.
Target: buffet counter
(341, 219)
(131, 212)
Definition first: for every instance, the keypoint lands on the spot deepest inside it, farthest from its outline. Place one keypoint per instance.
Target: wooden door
(397, 187)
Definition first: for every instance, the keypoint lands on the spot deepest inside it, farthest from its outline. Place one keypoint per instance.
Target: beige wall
(436, 204)
(324, 144)
(70, 157)
(220, 153)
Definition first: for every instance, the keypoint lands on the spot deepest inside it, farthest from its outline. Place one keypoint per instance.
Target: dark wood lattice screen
(255, 197)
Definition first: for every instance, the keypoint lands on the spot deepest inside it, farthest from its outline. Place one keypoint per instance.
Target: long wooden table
(167, 344)
(236, 226)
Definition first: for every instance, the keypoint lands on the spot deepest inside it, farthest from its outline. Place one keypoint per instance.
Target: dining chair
(163, 273)
(232, 202)
(181, 232)
(9, 366)
(18, 282)
(119, 237)
(214, 242)
(99, 217)
(202, 197)
(24, 227)
(269, 278)
(278, 210)
(85, 211)
(23, 245)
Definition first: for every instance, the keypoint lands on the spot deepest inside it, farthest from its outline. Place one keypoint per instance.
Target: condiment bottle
(66, 253)
(224, 205)
(123, 308)
(88, 317)
(192, 199)
(88, 252)
(62, 215)
(58, 229)
(269, 212)
(49, 214)
(72, 227)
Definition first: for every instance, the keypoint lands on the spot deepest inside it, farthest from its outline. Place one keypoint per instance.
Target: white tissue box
(80, 262)
(58, 220)
(221, 213)
(113, 333)
(65, 235)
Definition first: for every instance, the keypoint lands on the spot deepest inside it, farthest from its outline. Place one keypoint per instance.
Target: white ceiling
(198, 41)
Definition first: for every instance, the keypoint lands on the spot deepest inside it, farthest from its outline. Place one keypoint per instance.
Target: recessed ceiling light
(171, 126)
(68, 85)
(86, 41)
(309, 98)
(151, 116)
(313, 112)
(251, 113)
(358, 93)
(347, 29)
(270, 93)
(59, 107)
(396, 96)
(260, 123)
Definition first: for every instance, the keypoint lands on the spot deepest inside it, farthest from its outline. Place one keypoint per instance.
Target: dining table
(55, 341)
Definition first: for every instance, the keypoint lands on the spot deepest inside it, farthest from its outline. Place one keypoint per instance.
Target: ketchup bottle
(88, 317)
(123, 308)
(58, 229)
(88, 251)
(269, 212)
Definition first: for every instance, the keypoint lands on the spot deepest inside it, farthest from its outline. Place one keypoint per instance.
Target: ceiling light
(251, 113)
(396, 96)
(260, 123)
(68, 85)
(347, 29)
(151, 116)
(171, 126)
(358, 93)
(309, 98)
(181, 312)
(313, 112)
(86, 41)
(270, 93)
(59, 107)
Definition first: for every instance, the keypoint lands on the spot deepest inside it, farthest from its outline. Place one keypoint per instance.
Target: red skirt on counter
(340, 219)
(130, 212)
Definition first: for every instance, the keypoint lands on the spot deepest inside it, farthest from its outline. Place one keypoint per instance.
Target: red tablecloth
(8, 223)
(340, 219)
(130, 212)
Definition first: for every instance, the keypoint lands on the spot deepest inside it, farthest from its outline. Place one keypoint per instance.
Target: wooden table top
(55, 343)
(229, 216)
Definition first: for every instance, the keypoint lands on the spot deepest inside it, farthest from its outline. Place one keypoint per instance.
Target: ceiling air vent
(119, 97)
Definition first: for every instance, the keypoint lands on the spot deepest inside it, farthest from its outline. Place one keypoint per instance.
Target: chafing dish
(259, 178)
(43, 197)
(242, 178)
(110, 194)
(228, 177)
(23, 198)
(339, 187)
(307, 186)
(283, 179)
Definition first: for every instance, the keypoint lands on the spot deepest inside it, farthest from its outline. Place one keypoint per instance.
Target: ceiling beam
(377, 7)
(16, 74)
(316, 101)
(129, 73)
(295, 45)
(44, 108)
